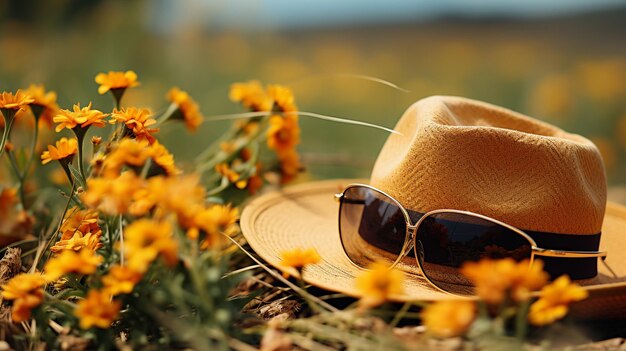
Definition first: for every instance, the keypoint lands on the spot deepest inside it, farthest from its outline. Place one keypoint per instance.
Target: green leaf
(77, 177)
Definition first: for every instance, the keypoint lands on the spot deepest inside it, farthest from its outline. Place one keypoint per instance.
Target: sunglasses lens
(446, 240)
(372, 226)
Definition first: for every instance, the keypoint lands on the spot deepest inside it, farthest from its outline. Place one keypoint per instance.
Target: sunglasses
(375, 227)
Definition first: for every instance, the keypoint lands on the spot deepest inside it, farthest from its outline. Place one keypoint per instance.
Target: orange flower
(137, 122)
(64, 151)
(298, 259)
(283, 98)
(128, 152)
(112, 195)
(494, 279)
(447, 319)
(44, 101)
(163, 160)
(116, 80)
(83, 117)
(182, 195)
(378, 284)
(145, 240)
(79, 230)
(120, 280)
(84, 221)
(134, 154)
(97, 310)
(290, 165)
(26, 292)
(554, 301)
(78, 241)
(283, 133)
(15, 102)
(215, 221)
(187, 106)
(251, 95)
(84, 262)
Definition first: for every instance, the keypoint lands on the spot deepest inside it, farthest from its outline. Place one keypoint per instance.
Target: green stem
(80, 137)
(171, 109)
(314, 307)
(65, 209)
(521, 321)
(67, 172)
(18, 175)
(24, 173)
(33, 146)
(210, 163)
(398, 317)
(9, 117)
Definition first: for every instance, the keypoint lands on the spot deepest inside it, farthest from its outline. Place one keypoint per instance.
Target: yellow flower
(128, 152)
(116, 80)
(84, 221)
(494, 279)
(163, 160)
(82, 117)
(251, 95)
(378, 284)
(112, 195)
(15, 102)
(447, 319)
(64, 151)
(78, 241)
(215, 221)
(290, 165)
(97, 310)
(83, 262)
(44, 100)
(554, 301)
(298, 258)
(283, 133)
(187, 107)
(283, 98)
(145, 240)
(183, 196)
(79, 230)
(120, 280)
(137, 122)
(134, 154)
(26, 292)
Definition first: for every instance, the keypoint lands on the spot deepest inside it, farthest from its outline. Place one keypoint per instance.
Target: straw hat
(463, 154)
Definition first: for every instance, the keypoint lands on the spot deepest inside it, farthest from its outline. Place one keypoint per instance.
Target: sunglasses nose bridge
(412, 231)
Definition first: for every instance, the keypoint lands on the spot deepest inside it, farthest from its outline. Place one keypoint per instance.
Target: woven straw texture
(305, 216)
(469, 155)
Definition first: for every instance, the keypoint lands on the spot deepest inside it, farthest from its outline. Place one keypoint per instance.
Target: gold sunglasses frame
(411, 237)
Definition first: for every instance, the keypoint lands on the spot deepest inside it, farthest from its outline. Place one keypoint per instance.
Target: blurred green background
(565, 65)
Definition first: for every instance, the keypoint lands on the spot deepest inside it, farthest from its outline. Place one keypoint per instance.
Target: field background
(569, 70)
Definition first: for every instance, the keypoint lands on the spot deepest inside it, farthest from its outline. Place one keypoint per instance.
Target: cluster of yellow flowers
(283, 133)
(133, 182)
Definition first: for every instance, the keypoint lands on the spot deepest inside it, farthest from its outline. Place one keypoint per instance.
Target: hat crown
(468, 155)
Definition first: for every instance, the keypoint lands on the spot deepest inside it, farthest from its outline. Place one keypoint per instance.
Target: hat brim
(306, 216)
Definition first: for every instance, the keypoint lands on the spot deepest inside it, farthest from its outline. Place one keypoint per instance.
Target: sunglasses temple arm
(568, 254)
